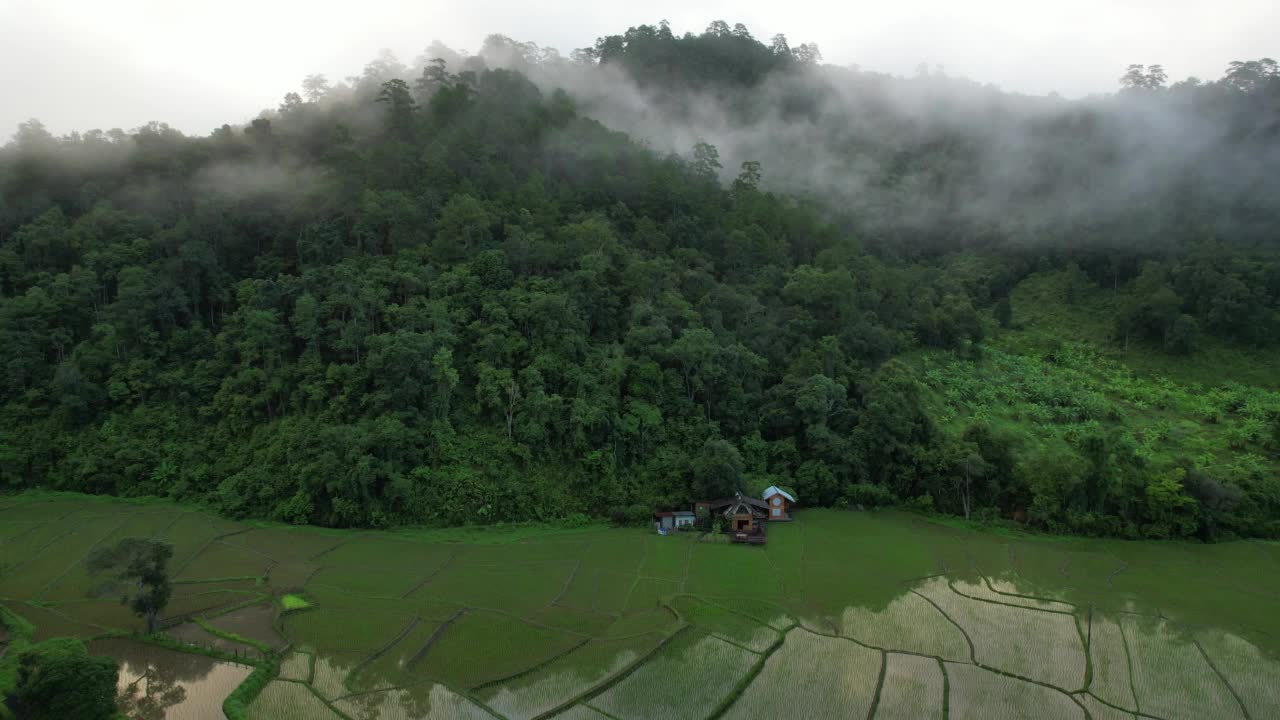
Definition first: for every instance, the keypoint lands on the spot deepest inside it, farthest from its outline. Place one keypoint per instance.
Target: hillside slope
(1080, 410)
(450, 294)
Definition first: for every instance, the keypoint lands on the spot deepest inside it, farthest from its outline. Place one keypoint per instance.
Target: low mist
(931, 157)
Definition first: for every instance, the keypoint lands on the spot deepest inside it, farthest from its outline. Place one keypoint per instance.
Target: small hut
(674, 520)
(779, 502)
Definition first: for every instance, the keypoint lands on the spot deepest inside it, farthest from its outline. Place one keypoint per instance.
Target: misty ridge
(511, 285)
(907, 161)
(918, 154)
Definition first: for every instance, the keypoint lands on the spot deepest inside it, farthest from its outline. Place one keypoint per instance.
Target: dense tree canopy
(58, 679)
(444, 294)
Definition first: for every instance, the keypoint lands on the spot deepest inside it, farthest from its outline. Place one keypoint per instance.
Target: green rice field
(842, 614)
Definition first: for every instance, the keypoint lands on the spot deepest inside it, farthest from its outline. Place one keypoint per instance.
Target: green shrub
(868, 495)
(58, 679)
(639, 514)
(576, 520)
(987, 515)
(20, 633)
(921, 503)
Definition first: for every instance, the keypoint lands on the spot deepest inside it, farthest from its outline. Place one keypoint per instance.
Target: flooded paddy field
(160, 684)
(883, 615)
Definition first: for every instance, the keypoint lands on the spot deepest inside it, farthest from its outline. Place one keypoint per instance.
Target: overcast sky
(79, 65)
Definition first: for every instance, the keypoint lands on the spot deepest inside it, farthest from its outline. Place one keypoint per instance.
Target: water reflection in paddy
(160, 684)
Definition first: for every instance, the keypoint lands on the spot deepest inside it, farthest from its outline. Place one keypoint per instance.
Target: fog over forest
(517, 284)
(1033, 168)
(76, 65)
(1030, 165)
(917, 159)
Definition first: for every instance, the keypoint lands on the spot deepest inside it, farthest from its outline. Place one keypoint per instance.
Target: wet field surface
(881, 615)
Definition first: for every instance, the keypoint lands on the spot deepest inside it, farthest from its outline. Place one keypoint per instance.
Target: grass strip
(532, 669)
(875, 700)
(169, 643)
(328, 550)
(250, 602)
(609, 682)
(951, 584)
(1222, 677)
(1087, 638)
(752, 674)
(236, 705)
(417, 657)
(987, 581)
(1087, 715)
(1124, 566)
(346, 681)
(232, 578)
(431, 575)
(973, 654)
(946, 690)
(177, 571)
(211, 612)
(567, 583)
(1128, 658)
(1120, 709)
(327, 704)
(233, 637)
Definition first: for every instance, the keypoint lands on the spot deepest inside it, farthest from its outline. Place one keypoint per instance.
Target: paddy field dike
(841, 615)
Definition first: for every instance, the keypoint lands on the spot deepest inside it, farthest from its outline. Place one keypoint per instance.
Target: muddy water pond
(160, 684)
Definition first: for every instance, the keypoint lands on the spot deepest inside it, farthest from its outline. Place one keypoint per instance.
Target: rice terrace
(842, 614)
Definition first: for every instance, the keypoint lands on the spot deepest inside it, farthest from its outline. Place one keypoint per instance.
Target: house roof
(775, 490)
(725, 502)
(683, 513)
(745, 506)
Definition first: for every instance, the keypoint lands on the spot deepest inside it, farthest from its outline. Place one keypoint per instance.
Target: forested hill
(447, 294)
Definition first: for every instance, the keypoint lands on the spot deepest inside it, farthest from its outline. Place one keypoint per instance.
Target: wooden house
(779, 502)
(741, 512)
(744, 516)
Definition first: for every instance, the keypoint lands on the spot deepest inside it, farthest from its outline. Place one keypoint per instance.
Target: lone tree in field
(138, 570)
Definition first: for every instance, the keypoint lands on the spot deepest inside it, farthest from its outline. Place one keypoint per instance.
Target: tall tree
(137, 570)
(400, 106)
(315, 87)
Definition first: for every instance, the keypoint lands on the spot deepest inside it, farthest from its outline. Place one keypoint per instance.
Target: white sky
(78, 65)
